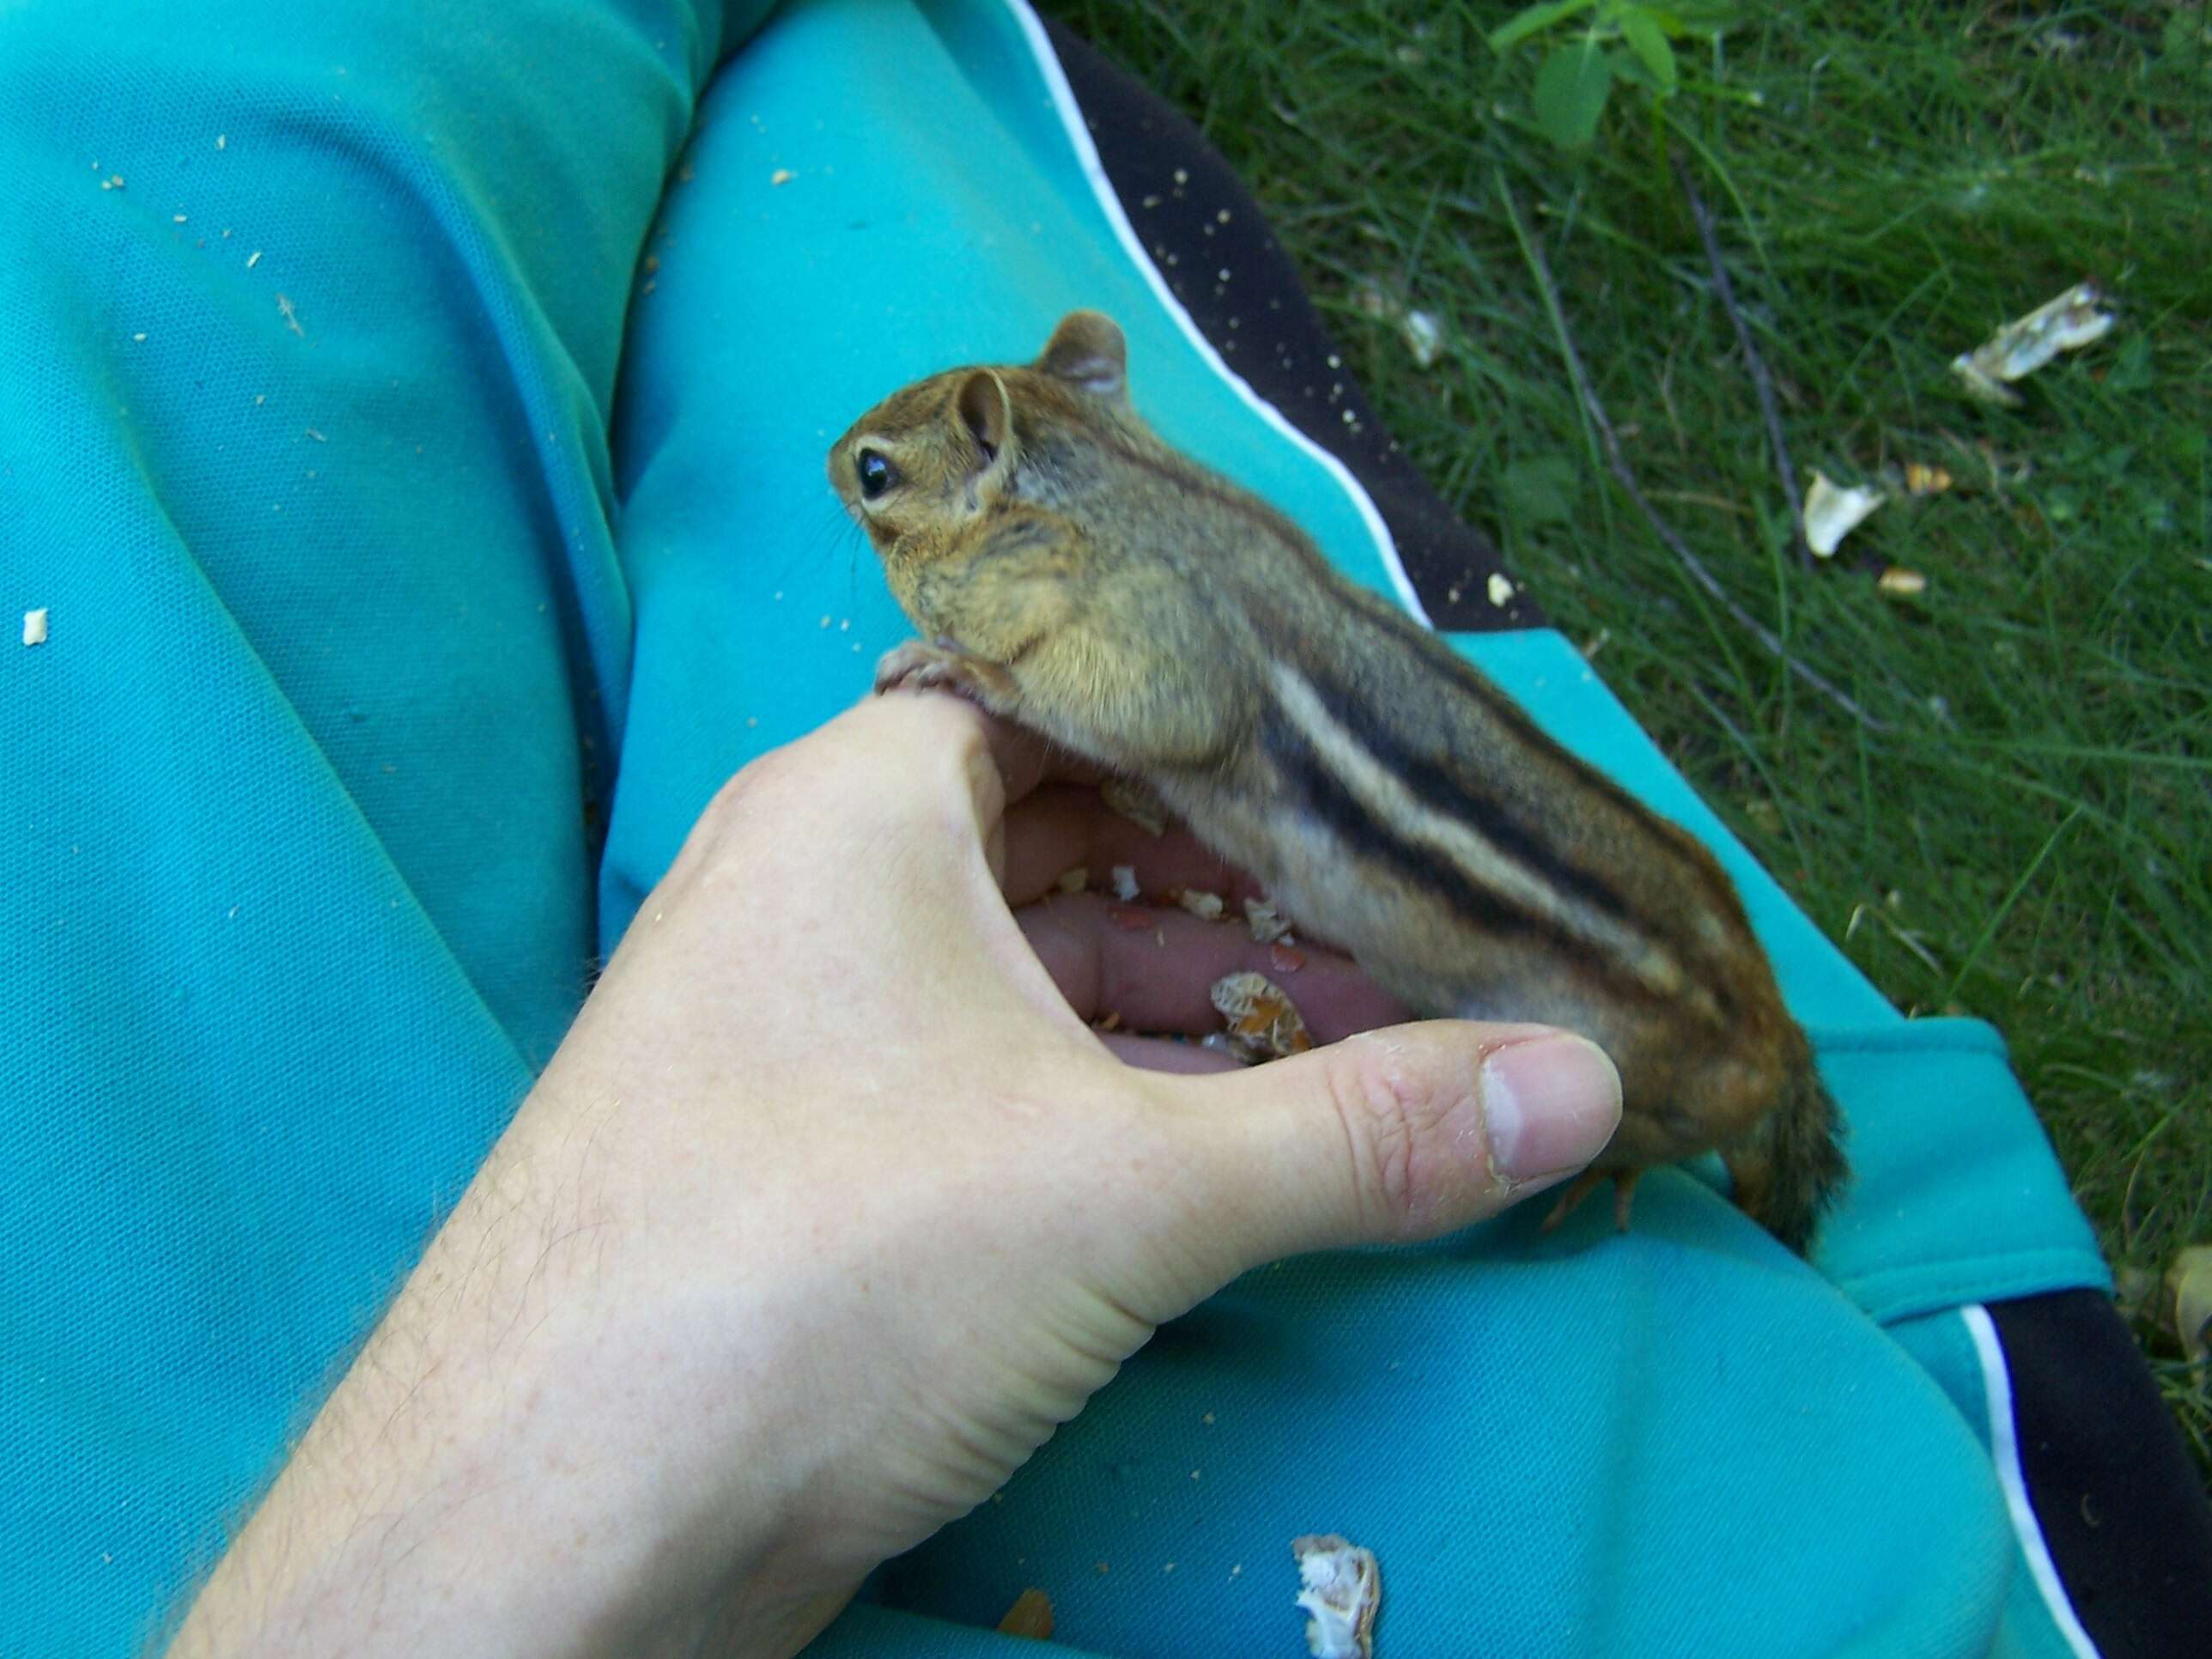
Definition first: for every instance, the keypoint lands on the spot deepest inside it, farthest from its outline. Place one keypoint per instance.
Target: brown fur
(1072, 571)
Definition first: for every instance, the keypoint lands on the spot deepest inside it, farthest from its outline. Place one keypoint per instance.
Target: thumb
(1394, 1135)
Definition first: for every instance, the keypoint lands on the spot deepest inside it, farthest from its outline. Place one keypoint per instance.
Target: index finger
(1002, 762)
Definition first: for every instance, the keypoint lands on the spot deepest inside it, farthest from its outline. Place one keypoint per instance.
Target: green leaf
(1532, 20)
(1690, 17)
(1703, 15)
(1627, 67)
(1570, 93)
(1650, 44)
(2186, 34)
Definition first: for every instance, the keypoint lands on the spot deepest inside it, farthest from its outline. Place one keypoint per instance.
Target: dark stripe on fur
(1454, 796)
(1327, 799)
(1693, 863)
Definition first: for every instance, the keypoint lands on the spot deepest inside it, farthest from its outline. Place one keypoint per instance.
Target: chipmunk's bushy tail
(1790, 1169)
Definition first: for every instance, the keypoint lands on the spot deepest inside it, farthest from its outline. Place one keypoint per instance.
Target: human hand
(832, 1207)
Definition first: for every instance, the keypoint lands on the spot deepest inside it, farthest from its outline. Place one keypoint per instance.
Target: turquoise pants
(411, 420)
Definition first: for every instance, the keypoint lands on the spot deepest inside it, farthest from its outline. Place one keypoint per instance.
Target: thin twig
(1762, 382)
(1626, 477)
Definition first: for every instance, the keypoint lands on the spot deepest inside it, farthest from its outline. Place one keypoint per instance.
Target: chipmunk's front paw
(915, 667)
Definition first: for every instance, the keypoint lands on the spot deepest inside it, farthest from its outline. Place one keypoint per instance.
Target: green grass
(2030, 839)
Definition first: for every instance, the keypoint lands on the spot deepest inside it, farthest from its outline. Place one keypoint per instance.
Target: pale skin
(832, 1207)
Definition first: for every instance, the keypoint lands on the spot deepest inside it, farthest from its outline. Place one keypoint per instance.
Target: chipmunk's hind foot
(1623, 1194)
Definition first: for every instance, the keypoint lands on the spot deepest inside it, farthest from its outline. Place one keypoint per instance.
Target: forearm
(446, 1500)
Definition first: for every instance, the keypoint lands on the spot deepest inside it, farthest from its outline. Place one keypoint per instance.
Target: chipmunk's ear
(989, 417)
(1087, 350)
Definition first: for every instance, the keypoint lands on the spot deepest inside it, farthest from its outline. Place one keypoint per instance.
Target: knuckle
(1384, 1111)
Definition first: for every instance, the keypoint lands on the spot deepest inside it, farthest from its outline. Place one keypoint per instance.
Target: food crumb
(1267, 926)
(1832, 512)
(222, 141)
(1031, 1615)
(1340, 1588)
(316, 435)
(34, 626)
(1205, 906)
(1263, 1021)
(1124, 882)
(2024, 344)
(1501, 590)
(781, 176)
(1073, 879)
(253, 259)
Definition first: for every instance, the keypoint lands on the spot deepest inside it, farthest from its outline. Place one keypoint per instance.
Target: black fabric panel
(1198, 222)
(2119, 1502)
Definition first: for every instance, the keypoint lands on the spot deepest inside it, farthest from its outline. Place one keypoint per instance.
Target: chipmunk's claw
(915, 667)
(1623, 1194)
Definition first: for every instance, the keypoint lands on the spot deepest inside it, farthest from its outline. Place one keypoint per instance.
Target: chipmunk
(1070, 571)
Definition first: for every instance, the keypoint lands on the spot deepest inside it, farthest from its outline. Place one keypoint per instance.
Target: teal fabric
(416, 578)
(293, 820)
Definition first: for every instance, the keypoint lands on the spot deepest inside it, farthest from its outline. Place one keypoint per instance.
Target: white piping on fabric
(1086, 153)
(2005, 1451)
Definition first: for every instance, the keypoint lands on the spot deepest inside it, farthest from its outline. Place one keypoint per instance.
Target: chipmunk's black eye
(876, 474)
